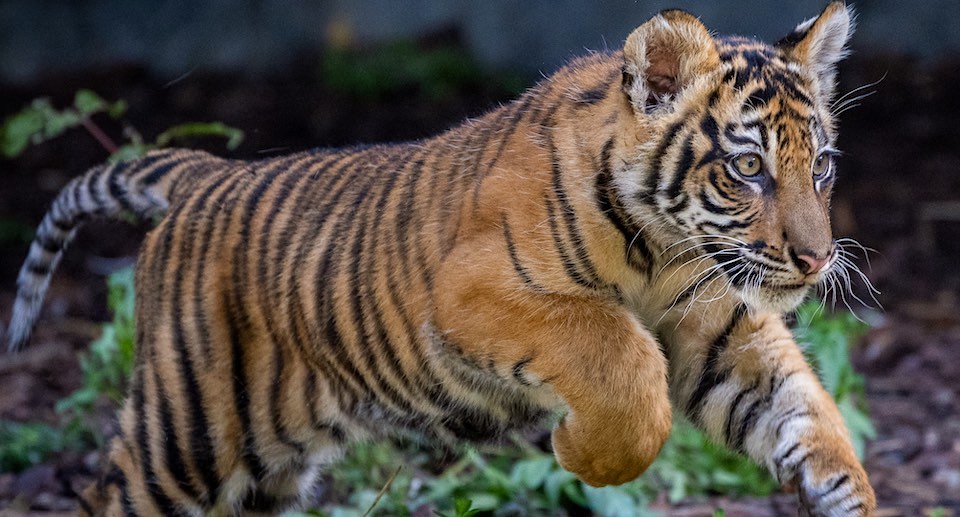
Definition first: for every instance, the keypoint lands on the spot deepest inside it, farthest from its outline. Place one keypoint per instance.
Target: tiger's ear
(820, 43)
(664, 55)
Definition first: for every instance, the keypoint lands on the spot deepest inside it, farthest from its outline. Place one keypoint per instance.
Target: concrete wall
(173, 37)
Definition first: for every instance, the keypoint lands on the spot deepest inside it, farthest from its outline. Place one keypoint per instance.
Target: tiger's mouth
(767, 282)
(774, 294)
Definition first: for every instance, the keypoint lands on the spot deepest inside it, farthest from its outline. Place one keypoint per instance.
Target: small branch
(98, 133)
(383, 491)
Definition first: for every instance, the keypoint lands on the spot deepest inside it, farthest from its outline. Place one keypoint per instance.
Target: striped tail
(141, 187)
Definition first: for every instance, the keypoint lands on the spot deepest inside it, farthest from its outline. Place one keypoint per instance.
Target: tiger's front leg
(748, 385)
(593, 353)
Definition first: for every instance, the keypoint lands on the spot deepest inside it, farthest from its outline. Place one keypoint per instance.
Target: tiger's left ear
(663, 56)
(820, 43)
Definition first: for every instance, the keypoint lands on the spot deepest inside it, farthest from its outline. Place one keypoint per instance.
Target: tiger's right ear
(664, 55)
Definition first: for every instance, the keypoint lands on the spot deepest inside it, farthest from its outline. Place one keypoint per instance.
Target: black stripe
(609, 204)
(761, 96)
(159, 172)
(310, 396)
(125, 501)
(779, 461)
(518, 368)
(712, 376)
(592, 96)
(710, 129)
(747, 423)
(518, 267)
(733, 224)
(67, 224)
(842, 480)
(399, 266)
(91, 183)
(79, 210)
(675, 189)
(734, 138)
(118, 190)
(236, 322)
(150, 482)
(731, 413)
(206, 240)
(174, 460)
(38, 268)
(277, 395)
(407, 218)
(424, 377)
(656, 159)
(720, 189)
(707, 203)
(793, 414)
(568, 265)
(570, 216)
(853, 508)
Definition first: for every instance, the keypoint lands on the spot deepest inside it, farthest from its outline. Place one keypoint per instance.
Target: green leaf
(555, 483)
(87, 103)
(531, 473)
(19, 129)
(233, 135)
(466, 507)
(131, 151)
(611, 501)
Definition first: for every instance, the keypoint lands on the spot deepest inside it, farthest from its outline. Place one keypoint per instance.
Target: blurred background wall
(255, 36)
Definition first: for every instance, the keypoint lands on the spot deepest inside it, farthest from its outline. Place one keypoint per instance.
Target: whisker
(846, 97)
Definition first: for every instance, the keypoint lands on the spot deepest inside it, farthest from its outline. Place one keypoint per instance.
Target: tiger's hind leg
(122, 490)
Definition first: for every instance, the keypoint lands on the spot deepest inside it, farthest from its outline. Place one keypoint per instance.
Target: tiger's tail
(140, 187)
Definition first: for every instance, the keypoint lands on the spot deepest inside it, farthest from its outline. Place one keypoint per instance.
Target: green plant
(40, 121)
(107, 364)
(137, 147)
(461, 508)
(24, 445)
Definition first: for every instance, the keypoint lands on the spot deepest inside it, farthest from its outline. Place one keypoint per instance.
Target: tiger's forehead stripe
(749, 61)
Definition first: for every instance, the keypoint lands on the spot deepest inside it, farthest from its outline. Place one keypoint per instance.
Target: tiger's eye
(822, 165)
(748, 164)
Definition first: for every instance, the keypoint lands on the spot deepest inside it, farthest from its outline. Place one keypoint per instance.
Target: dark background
(271, 69)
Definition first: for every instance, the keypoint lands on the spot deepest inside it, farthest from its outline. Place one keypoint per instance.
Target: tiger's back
(532, 260)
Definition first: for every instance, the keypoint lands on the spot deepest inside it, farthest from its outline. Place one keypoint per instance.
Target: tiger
(621, 242)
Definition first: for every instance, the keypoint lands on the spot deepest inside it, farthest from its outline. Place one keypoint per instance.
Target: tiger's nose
(809, 263)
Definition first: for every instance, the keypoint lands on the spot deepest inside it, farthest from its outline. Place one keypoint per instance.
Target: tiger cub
(620, 241)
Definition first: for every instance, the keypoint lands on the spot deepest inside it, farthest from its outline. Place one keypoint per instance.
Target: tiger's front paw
(606, 453)
(830, 483)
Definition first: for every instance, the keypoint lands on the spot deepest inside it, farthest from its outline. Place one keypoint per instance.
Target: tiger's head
(736, 154)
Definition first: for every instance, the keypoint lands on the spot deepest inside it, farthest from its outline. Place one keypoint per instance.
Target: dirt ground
(899, 193)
